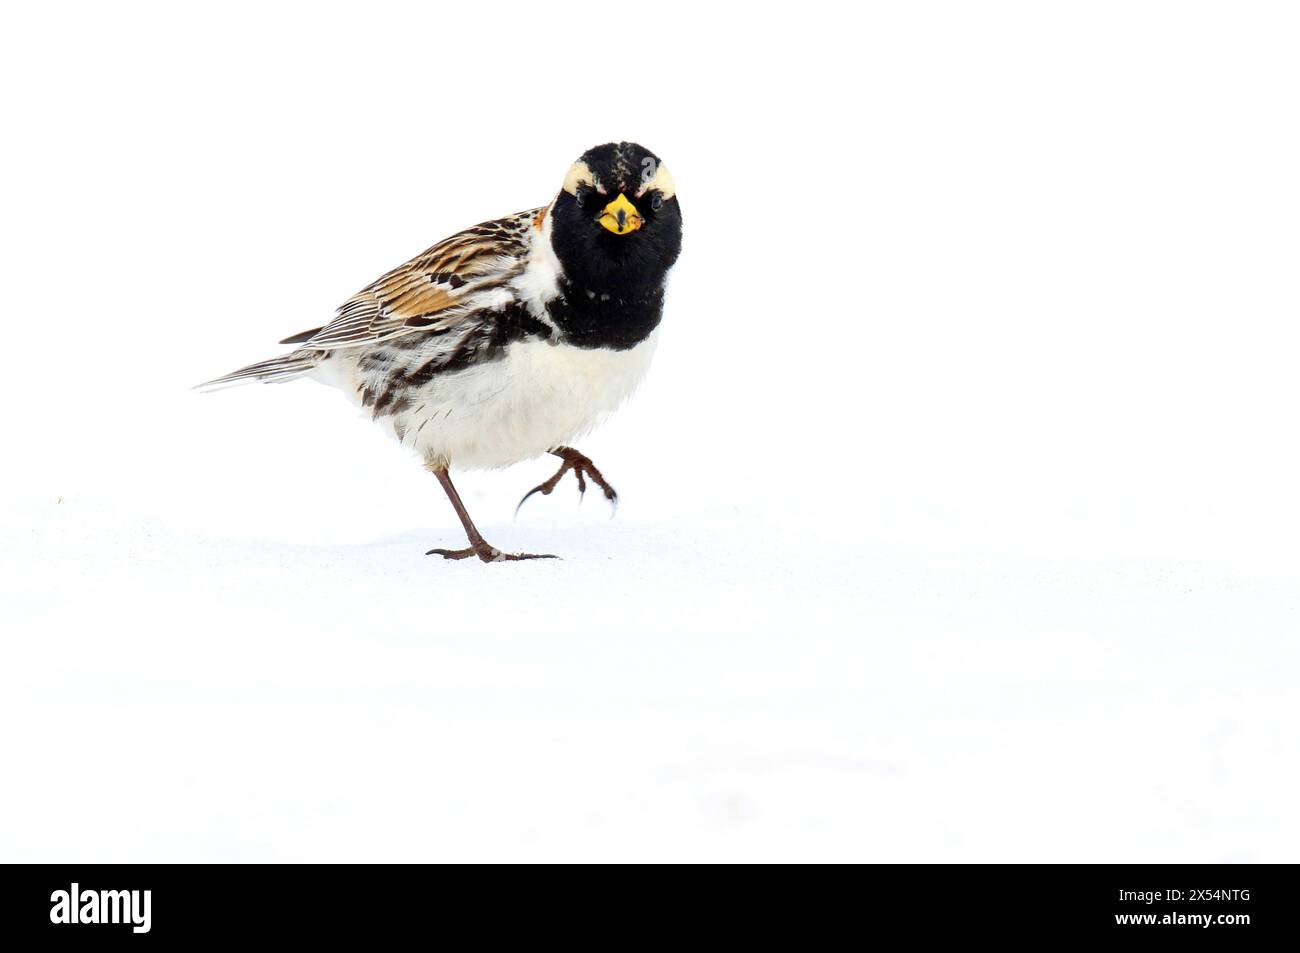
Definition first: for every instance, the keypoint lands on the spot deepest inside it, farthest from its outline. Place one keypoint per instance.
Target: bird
(512, 338)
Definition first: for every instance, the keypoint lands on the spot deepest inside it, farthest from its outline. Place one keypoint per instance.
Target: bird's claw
(583, 469)
(489, 554)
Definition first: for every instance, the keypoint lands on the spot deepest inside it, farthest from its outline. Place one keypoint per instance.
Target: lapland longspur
(512, 338)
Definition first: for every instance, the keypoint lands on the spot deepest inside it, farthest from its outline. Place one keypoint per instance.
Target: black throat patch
(590, 318)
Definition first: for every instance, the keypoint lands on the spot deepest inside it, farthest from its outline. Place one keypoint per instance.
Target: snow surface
(673, 689)
(961, 528)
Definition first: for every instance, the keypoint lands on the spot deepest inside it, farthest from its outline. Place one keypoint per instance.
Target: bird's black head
(617, 227)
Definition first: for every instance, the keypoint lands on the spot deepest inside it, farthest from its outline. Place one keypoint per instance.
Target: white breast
(536, 397)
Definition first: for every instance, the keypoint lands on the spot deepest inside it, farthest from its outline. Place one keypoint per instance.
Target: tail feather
(283, 368)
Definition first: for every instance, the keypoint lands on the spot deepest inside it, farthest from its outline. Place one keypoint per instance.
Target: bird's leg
(478, 546)
(582, 468)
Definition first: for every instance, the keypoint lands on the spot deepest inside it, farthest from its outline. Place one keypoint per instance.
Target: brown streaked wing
(431, 289)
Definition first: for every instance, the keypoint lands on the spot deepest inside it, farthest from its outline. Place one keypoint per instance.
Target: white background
(959, 509)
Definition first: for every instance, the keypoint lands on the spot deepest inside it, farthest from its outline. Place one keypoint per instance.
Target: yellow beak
(621, 216)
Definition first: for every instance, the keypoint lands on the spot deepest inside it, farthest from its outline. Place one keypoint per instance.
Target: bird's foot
(582, 468)
(487, 553)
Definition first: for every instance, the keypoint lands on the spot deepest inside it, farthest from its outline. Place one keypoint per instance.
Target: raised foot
(489, 554)
(582, 468)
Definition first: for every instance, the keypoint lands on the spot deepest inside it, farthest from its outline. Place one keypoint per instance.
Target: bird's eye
(657, 201)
